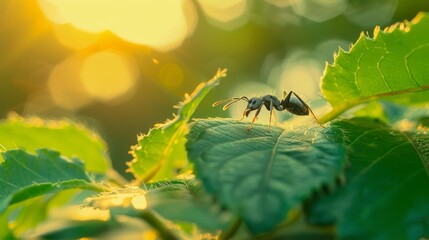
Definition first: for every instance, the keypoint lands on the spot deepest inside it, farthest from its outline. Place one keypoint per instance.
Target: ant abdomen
(297, 108)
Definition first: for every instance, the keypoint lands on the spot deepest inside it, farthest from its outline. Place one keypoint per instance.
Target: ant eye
(253, 101)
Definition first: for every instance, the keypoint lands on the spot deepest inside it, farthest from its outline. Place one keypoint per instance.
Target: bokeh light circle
(319, 10)
(73, 38)
(65, 85)
(107, 75)
(226, 14)
(161, 24)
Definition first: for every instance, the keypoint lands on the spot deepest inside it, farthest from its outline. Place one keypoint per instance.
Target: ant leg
(308, 107)
(284, 94)
(275, 118)
(271, 113)
(242, 117)
(287, 99)
(254, 118)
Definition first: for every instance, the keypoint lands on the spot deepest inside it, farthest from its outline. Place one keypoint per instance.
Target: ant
(270, 102)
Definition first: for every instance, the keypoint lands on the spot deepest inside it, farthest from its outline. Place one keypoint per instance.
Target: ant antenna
(231, 101)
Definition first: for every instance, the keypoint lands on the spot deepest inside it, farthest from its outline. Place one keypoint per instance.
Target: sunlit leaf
(30, 215)
(79, 229)
(393, 63)
(260, 174)
(161, 153)
(176, 200)
(387, 190)
(24, 175)
(124, 203)
(25, 216)
(5, 231)
(71, 139)
(183, 201)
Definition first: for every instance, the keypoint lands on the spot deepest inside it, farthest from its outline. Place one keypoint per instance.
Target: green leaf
(393, 63)
(5, 231)
(260, 174)
(180, 201)
(30, 214)
(24, 175)
(80, 229)
(183, 201)
(161, 153)
(71, 139)
(387, 191)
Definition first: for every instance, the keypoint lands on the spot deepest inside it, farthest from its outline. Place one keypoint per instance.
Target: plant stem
(156, 223)
(231, 230)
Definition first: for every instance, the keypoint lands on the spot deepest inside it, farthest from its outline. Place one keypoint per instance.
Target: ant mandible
(270, 102)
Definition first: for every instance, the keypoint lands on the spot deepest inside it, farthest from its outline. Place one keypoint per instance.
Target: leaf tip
(376, 31)
(221, 72)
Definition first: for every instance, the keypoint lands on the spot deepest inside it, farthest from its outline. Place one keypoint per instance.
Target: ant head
(254, 103)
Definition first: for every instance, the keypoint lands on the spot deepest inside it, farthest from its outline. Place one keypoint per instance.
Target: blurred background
(120, 66)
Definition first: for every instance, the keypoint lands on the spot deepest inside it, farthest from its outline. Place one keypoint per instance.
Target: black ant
(271, 102)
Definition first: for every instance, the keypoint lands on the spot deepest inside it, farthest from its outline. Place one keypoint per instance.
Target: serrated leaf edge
(178, 119)
(404, 27)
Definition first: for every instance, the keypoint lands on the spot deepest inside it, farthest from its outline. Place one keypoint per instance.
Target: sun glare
(73, 38)
(160, 24)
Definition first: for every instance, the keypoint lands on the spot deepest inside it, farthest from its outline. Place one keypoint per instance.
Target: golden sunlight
(223, 10)
(139, 202)
(107, 75)
(301, 77)
(73, 38)
(160, 24)
(65, 85)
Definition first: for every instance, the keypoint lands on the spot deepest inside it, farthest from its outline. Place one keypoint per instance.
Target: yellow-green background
(267, 46)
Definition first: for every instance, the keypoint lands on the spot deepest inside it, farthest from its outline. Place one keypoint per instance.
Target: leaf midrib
(421, 156)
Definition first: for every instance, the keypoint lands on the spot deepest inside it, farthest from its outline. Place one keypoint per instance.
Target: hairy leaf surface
(393, 63)
(177, 200)
(24, 175)
(71, 139)
(161, 153)
(183, 201)
(261, 174)
(387, 190)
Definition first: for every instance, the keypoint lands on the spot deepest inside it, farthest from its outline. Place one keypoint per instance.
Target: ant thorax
(269, 100)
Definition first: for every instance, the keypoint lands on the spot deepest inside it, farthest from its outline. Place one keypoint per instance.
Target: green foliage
(262, 174)
(393, 63)
(5, 231)
(71, 139)
(387, 187)
(183, 201)
(270, 179)
(153, 158)
(24, 176)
